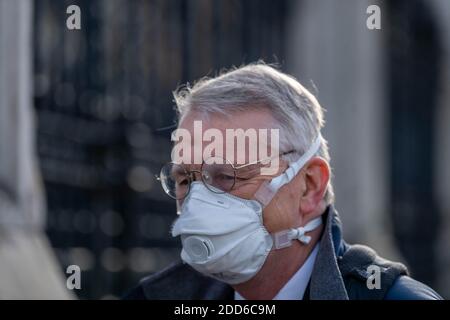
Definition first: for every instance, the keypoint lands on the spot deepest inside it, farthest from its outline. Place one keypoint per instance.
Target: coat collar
(326, 279)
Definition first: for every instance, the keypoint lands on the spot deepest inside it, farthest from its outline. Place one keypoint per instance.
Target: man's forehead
(250, 127)
(240, 138)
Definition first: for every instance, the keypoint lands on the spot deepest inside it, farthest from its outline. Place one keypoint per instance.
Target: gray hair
(295, 110)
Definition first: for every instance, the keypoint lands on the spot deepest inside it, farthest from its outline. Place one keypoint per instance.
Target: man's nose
(196, 175)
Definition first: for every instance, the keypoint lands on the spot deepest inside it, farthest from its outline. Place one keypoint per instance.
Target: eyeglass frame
(189, 173)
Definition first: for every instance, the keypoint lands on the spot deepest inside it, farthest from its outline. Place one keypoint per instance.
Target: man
(251, 229)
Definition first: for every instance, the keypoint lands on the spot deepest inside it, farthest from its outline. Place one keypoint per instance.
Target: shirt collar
(295, 288)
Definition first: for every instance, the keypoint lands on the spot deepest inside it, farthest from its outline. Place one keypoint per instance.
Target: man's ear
(315, 179)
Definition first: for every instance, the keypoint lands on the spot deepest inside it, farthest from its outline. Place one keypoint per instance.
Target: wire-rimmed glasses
(217, 174)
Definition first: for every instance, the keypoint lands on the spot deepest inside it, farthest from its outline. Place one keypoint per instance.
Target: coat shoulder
(406, 288)
(396, 284)
(160, 284)
(178, 282)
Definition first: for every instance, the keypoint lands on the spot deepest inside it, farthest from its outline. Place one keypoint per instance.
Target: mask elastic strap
(284, 238)
(268, 189)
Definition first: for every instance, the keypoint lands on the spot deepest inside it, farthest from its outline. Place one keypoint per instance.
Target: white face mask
(223, 236)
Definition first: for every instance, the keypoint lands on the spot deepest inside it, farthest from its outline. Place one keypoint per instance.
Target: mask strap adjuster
(265, 194)
(283, 239)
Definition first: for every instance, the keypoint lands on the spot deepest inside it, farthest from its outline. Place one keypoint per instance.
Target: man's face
(283, 210)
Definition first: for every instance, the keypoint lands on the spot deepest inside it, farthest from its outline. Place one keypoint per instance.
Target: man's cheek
(280, 214)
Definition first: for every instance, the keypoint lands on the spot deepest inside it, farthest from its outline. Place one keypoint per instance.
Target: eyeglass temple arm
(258, 161)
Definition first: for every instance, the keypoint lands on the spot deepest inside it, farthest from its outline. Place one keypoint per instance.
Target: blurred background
(86, 117)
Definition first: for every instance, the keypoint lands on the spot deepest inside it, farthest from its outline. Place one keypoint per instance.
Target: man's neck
(279, 267)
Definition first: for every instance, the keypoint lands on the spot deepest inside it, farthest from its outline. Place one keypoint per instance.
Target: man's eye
(243, 177)
(224, 177)
(182, 181)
